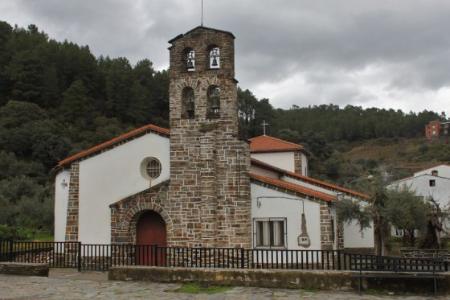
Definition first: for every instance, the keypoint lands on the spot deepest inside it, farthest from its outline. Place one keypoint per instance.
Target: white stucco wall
(282, 160)
(111, 176)
(354, 238)
(289, 209)
(62, 180)
(304, 164)
(420, 185)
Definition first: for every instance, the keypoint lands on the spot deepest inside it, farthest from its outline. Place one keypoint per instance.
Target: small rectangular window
(270, 233)
(432, 182)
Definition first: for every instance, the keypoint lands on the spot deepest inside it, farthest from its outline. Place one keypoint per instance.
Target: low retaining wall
(25, 269)
(304, 279)
(332, 280)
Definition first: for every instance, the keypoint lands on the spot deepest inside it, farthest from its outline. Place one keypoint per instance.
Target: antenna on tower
(202, 14)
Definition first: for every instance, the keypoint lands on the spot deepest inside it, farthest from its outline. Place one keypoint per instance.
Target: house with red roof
(197, 184)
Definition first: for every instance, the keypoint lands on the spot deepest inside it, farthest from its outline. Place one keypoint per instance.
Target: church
(197, 184)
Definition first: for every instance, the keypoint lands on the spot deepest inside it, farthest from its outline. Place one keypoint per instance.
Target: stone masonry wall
(209, 192)
(298, 162)
(73, 204)
(326, 229)
(126, 212)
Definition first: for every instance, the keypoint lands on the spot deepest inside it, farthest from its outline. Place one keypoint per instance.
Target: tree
(77, 106)
(118, 81)
(399, 208)
(407, 211)
(434, 226)
(5, 57)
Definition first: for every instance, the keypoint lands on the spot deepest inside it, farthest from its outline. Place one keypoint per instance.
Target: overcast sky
(382, 53)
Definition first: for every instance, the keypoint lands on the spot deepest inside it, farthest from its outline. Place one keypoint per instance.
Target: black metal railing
(55, 254)
(100, 257)
(363, 262)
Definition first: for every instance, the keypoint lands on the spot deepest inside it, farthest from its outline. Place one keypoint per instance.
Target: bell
(214, 62)
(215, 107)
(190, 64)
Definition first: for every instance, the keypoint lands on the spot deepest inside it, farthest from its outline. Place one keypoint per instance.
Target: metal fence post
(339, 259)
(11, 254)
(242, 258)
(79, 256)
(155, 255)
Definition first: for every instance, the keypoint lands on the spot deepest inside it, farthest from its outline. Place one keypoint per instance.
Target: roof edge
(181, 35)
(292, 187)
(308, 179)
(111, 143)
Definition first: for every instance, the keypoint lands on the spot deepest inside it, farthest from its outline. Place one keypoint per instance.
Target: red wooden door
(150, 231)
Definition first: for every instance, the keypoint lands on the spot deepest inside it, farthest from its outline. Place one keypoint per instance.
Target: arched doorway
(151, 231)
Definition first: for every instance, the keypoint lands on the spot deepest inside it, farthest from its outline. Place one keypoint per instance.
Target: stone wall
(25, 269)
(125, 213)
(209, 192)
(292, 279)
(326, 280)
(326, 229)
(73, 203)
(298, 162)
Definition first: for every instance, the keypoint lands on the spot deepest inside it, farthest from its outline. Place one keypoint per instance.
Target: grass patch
(196, 288)
(43, 236)
(309, 290)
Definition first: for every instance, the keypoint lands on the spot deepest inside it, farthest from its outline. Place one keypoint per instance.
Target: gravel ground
(69, 284)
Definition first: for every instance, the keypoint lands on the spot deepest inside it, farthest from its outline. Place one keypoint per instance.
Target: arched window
(189, 59)
(188, 103)
(214, 57)
(213, 102)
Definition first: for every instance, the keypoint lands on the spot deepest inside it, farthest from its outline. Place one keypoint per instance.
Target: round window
(151, 168)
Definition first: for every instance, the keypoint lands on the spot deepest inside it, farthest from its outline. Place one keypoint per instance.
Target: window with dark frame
(188, 103)
(333, 235)
(270, 232)
(213, 102)
(432, 182)
(153, 168)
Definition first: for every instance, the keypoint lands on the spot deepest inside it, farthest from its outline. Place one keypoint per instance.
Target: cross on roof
(264, 124)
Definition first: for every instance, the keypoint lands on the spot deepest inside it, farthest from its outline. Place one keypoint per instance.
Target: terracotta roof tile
(293, 187)
(265, 143)
(308, 179)
(111, 143)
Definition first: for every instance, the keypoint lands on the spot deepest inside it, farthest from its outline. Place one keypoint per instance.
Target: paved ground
(67, 284)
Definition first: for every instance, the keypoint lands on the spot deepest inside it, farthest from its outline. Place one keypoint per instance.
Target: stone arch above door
(134, 213)
(126, 212)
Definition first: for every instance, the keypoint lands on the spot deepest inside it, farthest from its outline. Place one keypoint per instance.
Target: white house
(433, 183)
(197, 185)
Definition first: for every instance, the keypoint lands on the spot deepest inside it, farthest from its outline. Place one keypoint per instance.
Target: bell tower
(209, 186)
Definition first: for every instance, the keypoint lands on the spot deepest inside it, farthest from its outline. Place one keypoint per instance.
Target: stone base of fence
(25, 269)
(294, 279)
(291, 279)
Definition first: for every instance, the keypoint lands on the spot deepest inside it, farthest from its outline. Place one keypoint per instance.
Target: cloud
(369, 53)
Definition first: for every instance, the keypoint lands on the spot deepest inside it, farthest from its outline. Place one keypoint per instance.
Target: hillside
(399, 157)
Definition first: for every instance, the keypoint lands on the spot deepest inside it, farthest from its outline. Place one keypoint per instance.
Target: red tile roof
(113, 142)
(307, 179)
(293, 187)
(265, 143)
